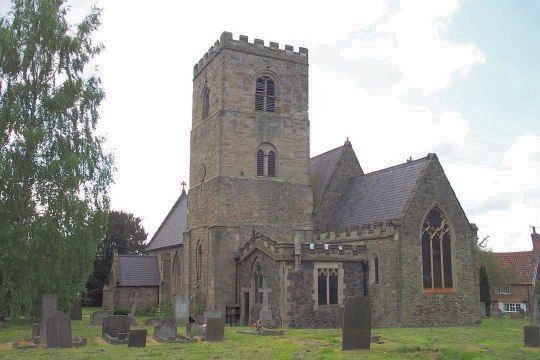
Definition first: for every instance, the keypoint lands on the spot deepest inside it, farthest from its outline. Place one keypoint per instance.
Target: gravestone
(36, 331)
(137, 338)
(49, 304)
(115, 329)
(165, 332)
(531, 335)
(194, 329)
(181, 309)
(356, 329)
(215, 329)
(58, 328)
(211, 314)
(134, 301)
(76, 310)
(265, 314)
(96, 318)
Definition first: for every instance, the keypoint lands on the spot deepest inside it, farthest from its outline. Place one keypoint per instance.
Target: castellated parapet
(370, 231)
(257, 47)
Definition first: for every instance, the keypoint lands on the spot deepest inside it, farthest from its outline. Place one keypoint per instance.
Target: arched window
(436, 251)
(260, 163)
(265, 94)
(266, 160)
(258, 281)
(176, 265)
(272, 164)
(198, 262)
(205, 102)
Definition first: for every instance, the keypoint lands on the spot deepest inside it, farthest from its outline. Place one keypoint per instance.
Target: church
(267, 232)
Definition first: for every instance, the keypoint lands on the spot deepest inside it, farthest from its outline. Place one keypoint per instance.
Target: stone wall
(176, 280)
(121, 296)
(421, 308)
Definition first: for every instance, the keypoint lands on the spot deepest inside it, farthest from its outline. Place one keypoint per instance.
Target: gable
(171, 231)
(321, 168)
(378, 196)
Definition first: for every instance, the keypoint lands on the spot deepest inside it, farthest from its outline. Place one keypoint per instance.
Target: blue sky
(400, 78)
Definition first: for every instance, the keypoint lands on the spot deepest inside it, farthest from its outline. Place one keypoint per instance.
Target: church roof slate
(321, 168)
(138, 270)
(377, 196)
(171, 231)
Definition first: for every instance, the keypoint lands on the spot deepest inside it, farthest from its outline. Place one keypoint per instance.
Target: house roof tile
(521, 264)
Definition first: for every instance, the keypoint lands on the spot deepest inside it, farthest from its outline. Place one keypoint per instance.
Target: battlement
(376, 230)
(257, 47)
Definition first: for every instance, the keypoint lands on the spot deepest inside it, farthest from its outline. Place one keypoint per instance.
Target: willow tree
(55, 172)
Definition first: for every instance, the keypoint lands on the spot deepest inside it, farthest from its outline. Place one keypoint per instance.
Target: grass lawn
(493, 339)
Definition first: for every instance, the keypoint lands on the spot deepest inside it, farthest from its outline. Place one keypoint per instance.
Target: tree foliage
(54, 170)
(126, 234)
(492, 275)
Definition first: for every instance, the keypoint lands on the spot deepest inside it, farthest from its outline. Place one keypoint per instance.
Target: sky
(399, 78)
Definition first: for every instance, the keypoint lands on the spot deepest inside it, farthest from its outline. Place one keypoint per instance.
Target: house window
(258, 281)
(512, 307)
(198, 262)
(265, 94)
(436, 252)
(205, 102)
(504, 290)
(327, 286)
(266, 160)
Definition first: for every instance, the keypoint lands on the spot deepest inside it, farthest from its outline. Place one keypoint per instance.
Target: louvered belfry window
(260, 163)
(265, 94)
(436, 252)
(271, 164)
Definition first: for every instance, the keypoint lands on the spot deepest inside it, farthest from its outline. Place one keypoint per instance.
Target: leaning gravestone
(58, 328)
(356, 330)
(76, 310)
(137, 338)
(181, 309)
(215, 328)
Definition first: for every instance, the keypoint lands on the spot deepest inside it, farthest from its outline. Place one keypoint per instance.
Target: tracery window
(436, 251)
(327, 286)
(205, 102)
(265, 94)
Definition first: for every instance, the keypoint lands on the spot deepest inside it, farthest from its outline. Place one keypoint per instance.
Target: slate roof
(171, 231)
(321, 168)
(521, 264)
(138, 270)
(378, 196)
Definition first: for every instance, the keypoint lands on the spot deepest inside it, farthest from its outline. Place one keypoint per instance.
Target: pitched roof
(138, 270)
(377, 196)
(522, 265)
(171, 231)
(321, 168)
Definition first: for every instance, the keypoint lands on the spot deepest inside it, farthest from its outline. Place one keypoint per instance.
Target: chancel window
(265, 94)
(327, 286)
(205, 102)
(436, 252)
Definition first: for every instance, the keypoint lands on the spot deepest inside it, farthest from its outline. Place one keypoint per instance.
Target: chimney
(535, 238)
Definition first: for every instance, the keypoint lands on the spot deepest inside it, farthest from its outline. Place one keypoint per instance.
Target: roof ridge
(339, 147)
(394, 166)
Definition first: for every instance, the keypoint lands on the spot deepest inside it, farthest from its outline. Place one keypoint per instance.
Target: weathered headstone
(265, 314)
(356, 330)
(194, 329)
(215, 329)
(49, 304)
(36, 331)
(115, 329)
(212, 314)
(531, 335)
(134, 301)
(181, 309)
(76, 310)
(165, 332)
(58, 328)
(137, 338)
(96, 318)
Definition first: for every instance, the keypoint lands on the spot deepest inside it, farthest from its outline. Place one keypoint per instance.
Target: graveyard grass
(493, 339)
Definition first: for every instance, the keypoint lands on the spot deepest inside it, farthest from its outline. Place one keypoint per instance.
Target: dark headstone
(36, 331)
(531, 335)
(215, 329)
(58, 328)
(356, 329)
(115, 328)
(76, 310)
(137, 338)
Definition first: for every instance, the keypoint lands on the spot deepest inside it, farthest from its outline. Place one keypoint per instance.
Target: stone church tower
(249, 160)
